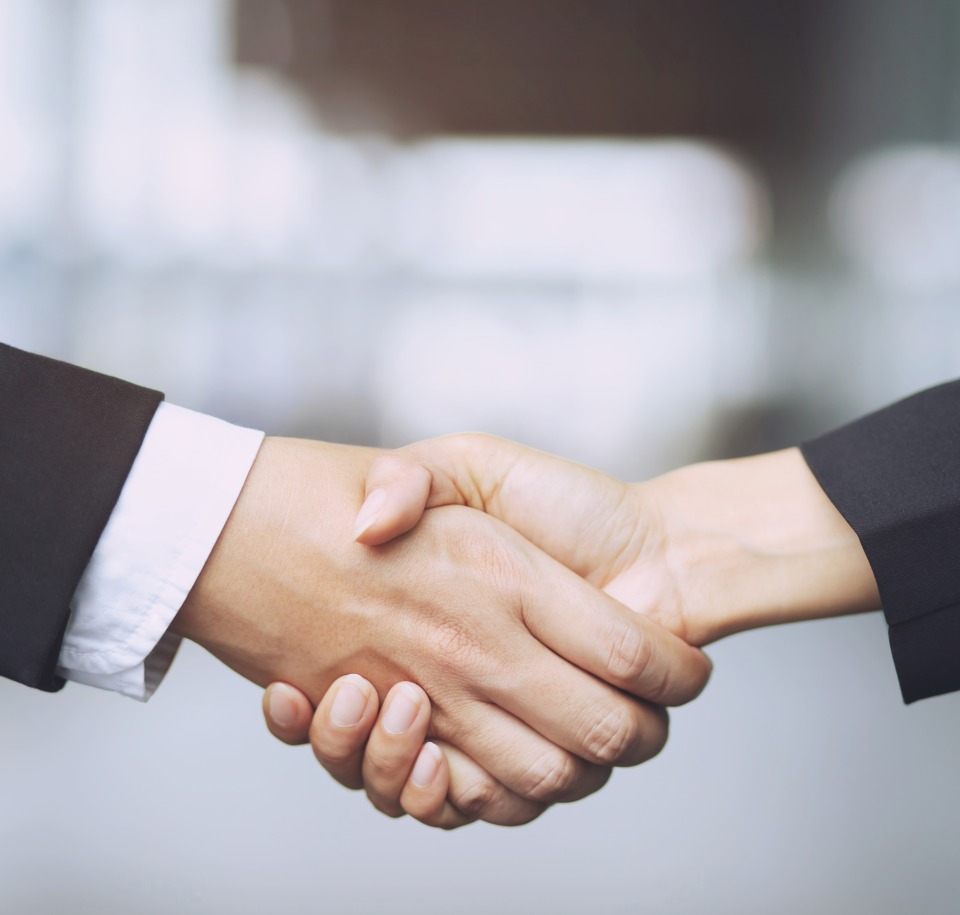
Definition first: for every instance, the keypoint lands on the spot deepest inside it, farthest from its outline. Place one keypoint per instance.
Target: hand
(706, 551)
(508, 644)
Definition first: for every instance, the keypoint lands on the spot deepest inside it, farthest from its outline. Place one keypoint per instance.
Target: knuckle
(386, 807)
(341, 767)
(391, 463)
(329, 753)
(476, 797)
(454, 643)
(550, 777)
(530, 813)
(610, 737)
(631, 654)
(660, 686)
(447, 819)
(377, 766)
(472, 440)
(438, 812)
(497, 564)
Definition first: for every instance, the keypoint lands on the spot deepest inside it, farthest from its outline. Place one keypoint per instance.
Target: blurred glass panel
(896, 213)
(598, 211)
(27, 159)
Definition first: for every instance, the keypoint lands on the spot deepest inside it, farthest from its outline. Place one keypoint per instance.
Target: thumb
(396, 494)
(465, 469)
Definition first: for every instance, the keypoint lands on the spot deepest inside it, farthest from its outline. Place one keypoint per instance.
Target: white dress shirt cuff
(174, 504)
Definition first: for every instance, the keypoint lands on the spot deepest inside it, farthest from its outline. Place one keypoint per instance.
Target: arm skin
(541, 679)
(706, 551)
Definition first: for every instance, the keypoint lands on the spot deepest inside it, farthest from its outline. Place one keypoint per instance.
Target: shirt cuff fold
(175, 502)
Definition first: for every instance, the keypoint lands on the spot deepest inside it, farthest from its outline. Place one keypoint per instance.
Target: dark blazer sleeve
(895, 476)
(68, 438)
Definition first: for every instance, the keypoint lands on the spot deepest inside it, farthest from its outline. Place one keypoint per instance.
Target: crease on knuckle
(453, 642)
(377, 766)
(330, 754)
(476, 797)
(498, 565)
(550, 777)
(610, 737)
(631, 655)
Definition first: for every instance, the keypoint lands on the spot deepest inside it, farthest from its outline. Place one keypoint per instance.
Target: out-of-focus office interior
(635, 233)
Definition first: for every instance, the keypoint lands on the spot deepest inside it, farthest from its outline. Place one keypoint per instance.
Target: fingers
(602, 636)
(287, 713)
(341, 725)
(544, 680)
(523, 761)
(424, 794)
(392, 751)
(475, 795)
(582, 726)
(385, 755)
(435, 783)
(461, 792)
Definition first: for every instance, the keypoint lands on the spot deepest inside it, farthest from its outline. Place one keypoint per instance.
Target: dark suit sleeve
(68, 438)
(895, 476)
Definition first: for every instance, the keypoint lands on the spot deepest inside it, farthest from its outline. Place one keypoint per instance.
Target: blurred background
(635, 233)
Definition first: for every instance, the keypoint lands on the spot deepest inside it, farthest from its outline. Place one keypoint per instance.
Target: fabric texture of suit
(68, 438)
(895, 476)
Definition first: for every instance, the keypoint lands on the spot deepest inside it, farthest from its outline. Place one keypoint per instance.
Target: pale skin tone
(542, 680)
(705, 551)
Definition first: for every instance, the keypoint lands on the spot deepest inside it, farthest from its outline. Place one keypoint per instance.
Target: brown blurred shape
(728, 69)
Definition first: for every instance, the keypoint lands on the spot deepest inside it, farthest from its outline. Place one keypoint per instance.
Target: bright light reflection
(607, 210)
(27, 171)
(897, 215)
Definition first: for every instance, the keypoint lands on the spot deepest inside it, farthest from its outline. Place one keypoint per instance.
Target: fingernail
(369, 511)
(427, 766)
(283, 708)
(402, 710)
(348, 705)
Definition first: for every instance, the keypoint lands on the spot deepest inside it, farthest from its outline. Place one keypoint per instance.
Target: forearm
(755, 542)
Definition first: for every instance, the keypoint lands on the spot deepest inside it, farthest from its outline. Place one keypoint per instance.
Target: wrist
(755, 542)
(232, 577)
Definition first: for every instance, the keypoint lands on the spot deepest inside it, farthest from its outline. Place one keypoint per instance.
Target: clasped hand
(538, 682)
(702, 552)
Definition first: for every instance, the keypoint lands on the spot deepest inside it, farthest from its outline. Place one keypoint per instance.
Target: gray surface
(797, 783)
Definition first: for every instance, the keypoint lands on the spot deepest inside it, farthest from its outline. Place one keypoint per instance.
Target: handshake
(530, 618)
